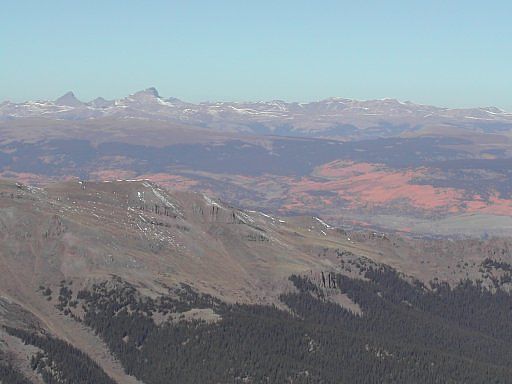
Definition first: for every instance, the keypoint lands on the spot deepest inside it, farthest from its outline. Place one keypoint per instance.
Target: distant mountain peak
(151, 92)
(100, 102)
(68, 99)
(321, 117)
(494, 110)
(146, 95)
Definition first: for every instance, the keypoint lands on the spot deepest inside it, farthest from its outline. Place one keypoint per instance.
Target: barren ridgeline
(72, 250)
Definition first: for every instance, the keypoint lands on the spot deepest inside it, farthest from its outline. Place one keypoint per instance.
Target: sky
(446, 53)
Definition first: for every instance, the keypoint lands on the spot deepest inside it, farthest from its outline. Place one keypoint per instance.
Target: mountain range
(333, 117)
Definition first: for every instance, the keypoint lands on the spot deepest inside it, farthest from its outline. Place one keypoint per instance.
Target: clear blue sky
(452, 53)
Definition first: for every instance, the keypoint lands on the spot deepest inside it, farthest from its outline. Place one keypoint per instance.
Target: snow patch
(161, 197)
(210, 201)
(322, 222)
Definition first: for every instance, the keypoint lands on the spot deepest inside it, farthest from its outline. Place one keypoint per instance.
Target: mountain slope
(205, 238)
(71, 250)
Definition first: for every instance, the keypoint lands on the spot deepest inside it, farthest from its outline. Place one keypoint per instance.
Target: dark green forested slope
(59, 362)
(10, 375)
(407, 333)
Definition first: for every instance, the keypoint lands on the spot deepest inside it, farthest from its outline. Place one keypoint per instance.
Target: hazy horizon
(77, 95)
(452, 55)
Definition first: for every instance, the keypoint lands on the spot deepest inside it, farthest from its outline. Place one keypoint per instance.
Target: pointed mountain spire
(68, 99)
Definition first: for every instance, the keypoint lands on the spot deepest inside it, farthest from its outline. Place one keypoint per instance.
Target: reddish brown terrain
(402, 167)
